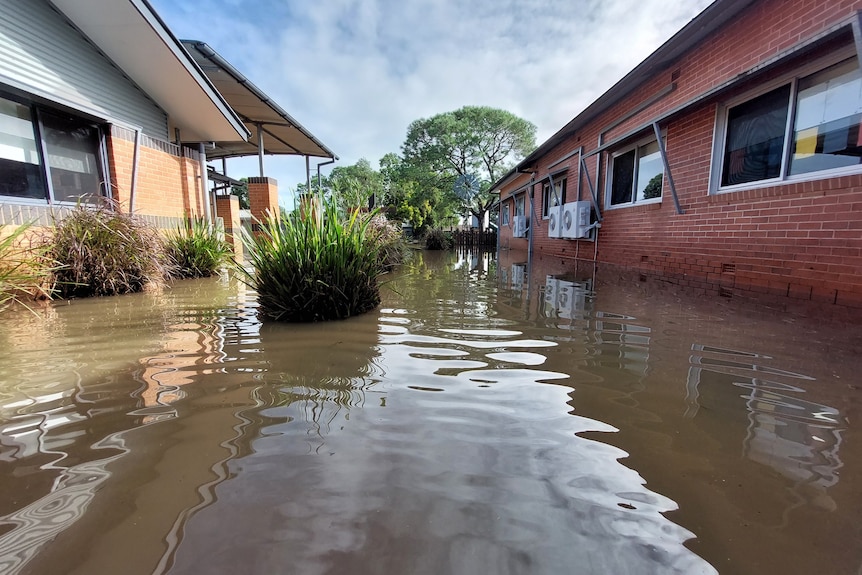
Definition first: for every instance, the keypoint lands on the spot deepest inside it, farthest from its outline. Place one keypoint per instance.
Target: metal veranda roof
(265, 119)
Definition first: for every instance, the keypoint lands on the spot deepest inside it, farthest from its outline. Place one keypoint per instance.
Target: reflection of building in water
(797, 438)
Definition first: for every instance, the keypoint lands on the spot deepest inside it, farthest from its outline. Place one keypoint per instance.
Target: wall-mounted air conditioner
(576, 219)
(555, 222)
(520, 225)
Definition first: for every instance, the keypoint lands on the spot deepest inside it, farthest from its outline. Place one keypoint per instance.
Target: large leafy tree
(414, 195)
(467, 150)
(351, 186)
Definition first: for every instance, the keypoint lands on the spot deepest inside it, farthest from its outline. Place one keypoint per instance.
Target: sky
(356, 73)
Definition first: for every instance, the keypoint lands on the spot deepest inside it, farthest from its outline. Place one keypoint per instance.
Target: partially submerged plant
(437, 239)
(106, 252)
(197, 248)
(313, 269)
(24, 269)
(389, 239)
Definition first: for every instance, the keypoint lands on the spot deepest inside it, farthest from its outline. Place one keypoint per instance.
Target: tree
(351, 186)
(241, 192)
(467, 150)
(413, 195)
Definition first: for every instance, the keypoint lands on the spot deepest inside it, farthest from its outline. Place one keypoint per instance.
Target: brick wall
(789, 242)
(168, 179)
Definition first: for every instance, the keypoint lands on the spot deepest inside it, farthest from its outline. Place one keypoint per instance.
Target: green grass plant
(24, 269)
(103, 251)
(197, 248)
(314, 268)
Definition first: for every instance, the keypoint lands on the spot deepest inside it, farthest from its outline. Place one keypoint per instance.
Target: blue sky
(355, 73)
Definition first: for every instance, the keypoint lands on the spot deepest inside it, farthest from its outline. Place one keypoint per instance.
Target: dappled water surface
(483, 420)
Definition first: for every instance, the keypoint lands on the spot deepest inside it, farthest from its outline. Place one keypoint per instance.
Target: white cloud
(356, 72)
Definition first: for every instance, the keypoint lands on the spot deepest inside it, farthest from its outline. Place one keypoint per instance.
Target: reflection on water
(487, 418)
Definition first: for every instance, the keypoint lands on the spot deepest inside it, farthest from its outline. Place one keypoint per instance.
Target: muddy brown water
(482, 420)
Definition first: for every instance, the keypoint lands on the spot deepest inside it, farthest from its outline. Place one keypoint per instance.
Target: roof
(138, 42)
(281, 133)
(715, 16)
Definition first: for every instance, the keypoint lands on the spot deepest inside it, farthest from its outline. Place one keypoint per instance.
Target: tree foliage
(474, 144)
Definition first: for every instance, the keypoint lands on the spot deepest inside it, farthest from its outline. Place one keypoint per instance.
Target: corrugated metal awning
(266, 121)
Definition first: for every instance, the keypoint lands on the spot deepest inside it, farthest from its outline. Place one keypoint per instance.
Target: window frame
(546, 192)
(523, 200)
(609, 167)
(791, 79)
(504, 214)
(37, 111)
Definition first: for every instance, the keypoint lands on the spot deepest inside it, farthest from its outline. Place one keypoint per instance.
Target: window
(520, 205)
(72, 146)
(811, 124)
(636, 175)
(552, 199)
(504, 214)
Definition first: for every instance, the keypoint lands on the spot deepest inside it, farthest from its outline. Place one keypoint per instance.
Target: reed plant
(103, 251)
(24, 269)
(313, 268)
(389, 239)
(197, 248)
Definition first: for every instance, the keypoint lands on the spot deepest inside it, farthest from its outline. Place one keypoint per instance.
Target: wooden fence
(475, 238)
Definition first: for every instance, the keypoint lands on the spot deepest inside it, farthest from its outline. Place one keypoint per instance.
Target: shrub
(24, 270)
(437, 239)
(103, 251)
(389, 240)
(313, 269)
(197, 249)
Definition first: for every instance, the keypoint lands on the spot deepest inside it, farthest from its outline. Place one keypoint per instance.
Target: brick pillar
(263, 197)
(227, 208)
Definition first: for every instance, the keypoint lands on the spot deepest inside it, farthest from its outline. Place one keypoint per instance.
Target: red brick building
(728, 162)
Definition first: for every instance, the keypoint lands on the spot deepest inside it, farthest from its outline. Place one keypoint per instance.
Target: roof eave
(139, 43)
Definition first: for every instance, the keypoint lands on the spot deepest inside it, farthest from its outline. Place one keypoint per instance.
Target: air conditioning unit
(576, 219)
(555, 222)
(520, 225)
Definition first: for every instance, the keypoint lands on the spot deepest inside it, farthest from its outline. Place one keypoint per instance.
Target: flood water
(482, 420)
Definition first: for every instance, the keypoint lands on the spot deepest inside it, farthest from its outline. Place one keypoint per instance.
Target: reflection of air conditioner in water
(576, 219)
(519, 272)
(520, 224)
(555, 222)
(551, 292)
(571, 298)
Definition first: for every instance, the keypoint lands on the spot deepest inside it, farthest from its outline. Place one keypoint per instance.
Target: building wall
(168, 179)
(42, 55)
(787, 241)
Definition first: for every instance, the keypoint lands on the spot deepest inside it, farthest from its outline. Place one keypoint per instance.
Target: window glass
(72, 148)
(20, 174)
(623, 178)
(650, 172)
(553, 198)
(504, 214)
(519, 205)
(828, 115)
(755, 138)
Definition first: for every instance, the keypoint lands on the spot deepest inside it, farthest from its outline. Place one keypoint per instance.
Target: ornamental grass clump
(389, 239)
(197, 249)
(313, 269)
(24, 269)
(103, 251)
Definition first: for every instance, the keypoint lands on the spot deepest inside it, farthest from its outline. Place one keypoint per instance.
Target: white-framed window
(504, 214)
(48, 155)
(635, 175)
(552, 198)
(806, 127)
